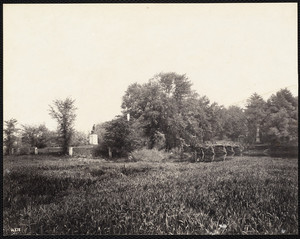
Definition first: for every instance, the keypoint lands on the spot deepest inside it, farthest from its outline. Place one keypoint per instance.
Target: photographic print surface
(157, 119)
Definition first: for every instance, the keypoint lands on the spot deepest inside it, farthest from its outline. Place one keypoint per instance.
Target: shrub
(118, 137)
(100, 150)
(24, 150)
(86, 151)
(159, 141)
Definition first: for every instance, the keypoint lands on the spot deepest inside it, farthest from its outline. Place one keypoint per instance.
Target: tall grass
(149, 155)
(71, 196)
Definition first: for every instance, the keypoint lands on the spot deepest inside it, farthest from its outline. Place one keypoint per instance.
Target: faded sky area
(93, 52)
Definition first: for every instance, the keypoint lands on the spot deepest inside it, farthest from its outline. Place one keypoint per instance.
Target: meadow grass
(244, 195)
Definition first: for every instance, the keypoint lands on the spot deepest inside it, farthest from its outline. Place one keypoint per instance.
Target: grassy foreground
(244, 195)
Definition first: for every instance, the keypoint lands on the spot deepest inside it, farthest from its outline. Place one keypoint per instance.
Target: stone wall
(51, 150)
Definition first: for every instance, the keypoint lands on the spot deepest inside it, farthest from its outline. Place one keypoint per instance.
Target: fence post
(109, 152)
(70, 151)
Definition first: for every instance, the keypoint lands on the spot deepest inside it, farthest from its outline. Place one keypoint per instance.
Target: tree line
(63, 111)
(165, 113)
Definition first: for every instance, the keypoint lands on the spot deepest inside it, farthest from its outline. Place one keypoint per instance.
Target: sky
(93, 52)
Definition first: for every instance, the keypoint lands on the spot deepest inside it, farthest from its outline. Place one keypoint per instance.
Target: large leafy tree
(167, 108)
(10, 135)
(79, 138)
(53, 139)
(281, 125)
(195, 112)
(118, 136)
(175, 91)
(35, 136)
(216, 117)
(63, 111)
(100, 130)
(235, 123)
(256, 113)
(158, 107)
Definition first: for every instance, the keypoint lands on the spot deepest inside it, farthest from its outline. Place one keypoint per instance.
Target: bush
(159, 140)
(24, 150)
(118, 137)
(86, 151)
(150, 155)
(100, 150)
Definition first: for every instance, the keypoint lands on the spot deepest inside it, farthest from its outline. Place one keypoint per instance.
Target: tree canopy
(167, 106)
(35, 136)
(165, 113)
(281, 124)
(10, 134)
(63, 111)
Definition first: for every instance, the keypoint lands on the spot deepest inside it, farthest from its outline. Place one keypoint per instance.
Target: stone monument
(93, 137)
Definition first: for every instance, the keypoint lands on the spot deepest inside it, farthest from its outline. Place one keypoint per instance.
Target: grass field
(244, 195)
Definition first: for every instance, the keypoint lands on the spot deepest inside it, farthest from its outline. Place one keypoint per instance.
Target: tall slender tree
(255, 114)
(63, 111)
(10, 136)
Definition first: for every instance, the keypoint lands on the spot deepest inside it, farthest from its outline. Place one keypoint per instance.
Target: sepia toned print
(150, 119)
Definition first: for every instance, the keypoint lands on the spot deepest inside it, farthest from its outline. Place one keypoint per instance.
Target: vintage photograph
(150, 119)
